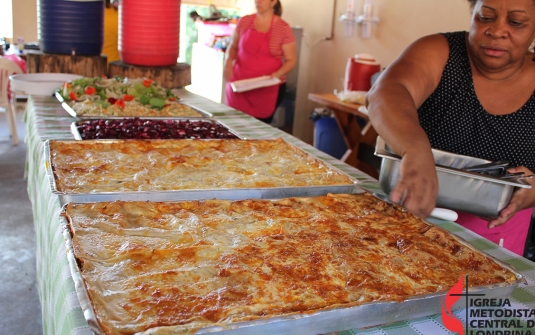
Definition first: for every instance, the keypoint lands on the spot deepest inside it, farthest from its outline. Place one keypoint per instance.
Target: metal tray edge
(337, 318)
(203, 194)
(380, 151)
(78, 136)
(49, 171)
(79, 285)
(202, 111)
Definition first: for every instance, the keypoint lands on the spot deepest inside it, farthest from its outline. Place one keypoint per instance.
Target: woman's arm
(290, 59)
(230, 56)
(392, 103)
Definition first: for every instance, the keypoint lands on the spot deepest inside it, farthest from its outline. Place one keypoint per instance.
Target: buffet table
(61, 310)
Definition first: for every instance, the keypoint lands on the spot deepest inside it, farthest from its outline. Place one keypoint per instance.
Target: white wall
(6, 19)
(25, 20)
(323, 62)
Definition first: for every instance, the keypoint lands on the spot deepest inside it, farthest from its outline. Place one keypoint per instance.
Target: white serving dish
(40, 83)
(253, 83)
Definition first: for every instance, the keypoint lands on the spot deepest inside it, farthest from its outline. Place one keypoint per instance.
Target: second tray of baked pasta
(163, 170)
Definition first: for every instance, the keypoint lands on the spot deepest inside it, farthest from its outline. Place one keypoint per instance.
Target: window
(6, 19)
(188, 29)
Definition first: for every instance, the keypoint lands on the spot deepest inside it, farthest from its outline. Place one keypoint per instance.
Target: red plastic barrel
(149, 32)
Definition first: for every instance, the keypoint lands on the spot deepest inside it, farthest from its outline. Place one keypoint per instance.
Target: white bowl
(357, 97)
(40, 83)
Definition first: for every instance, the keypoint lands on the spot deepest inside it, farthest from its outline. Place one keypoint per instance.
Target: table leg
(11, 112)
(354, 136)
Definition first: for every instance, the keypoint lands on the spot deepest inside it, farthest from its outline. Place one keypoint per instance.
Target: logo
(486, 316)
(450, 321)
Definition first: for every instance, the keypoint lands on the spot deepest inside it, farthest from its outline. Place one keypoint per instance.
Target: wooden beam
(176, 76)
(87, 66)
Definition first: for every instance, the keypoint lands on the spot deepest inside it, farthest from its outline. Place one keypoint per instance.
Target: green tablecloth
(61, 310)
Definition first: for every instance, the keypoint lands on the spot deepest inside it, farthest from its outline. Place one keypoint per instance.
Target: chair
(7, 68)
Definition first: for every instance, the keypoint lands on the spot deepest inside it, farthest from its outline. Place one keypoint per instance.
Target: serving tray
(78, 136)
(337, 318)
(319, 169)
(71, 112)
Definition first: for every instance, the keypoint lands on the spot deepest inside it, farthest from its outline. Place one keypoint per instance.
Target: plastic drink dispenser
(74, 27)
(149, 32)
(359, 72)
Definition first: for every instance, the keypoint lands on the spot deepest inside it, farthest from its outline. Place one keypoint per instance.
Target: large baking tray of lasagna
(165, 170)
(307, 265)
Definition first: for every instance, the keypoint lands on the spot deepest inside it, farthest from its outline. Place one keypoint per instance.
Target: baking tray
(470, 192)
(72, 113)
(77, 136)
(200, 194)
(315, 322)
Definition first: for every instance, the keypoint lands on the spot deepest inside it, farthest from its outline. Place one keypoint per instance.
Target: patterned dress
(455, 121)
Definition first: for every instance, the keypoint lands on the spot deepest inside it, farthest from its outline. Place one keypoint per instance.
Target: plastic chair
(7, 68)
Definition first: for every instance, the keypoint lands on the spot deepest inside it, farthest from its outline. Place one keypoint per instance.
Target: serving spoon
(437, 212)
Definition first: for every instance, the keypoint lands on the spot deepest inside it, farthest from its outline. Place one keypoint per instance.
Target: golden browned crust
(188, 265)
(163, 165)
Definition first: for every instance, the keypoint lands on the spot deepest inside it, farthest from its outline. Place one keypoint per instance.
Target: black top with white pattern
(455, 121)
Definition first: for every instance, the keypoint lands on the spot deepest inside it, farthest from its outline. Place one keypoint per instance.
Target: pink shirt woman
(262, 44)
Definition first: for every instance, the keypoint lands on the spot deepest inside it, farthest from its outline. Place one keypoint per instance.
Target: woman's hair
(472, 3)
(277, 9)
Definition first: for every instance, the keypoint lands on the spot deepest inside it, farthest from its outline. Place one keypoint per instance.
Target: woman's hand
(522, 198)
(417, 188)
(275, 75)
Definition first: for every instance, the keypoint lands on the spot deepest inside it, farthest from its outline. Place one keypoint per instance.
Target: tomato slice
(89, 90)
(120, 103)
(147, 82)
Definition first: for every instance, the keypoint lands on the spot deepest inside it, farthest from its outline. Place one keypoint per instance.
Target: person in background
(262, 44)
(12, 55)
(111, 31)
(469, 93)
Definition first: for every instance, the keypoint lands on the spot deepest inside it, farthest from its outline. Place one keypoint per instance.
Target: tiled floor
(20, 310)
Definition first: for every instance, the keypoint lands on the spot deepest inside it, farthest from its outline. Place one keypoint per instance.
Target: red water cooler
(359, 72)
(149, 32)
